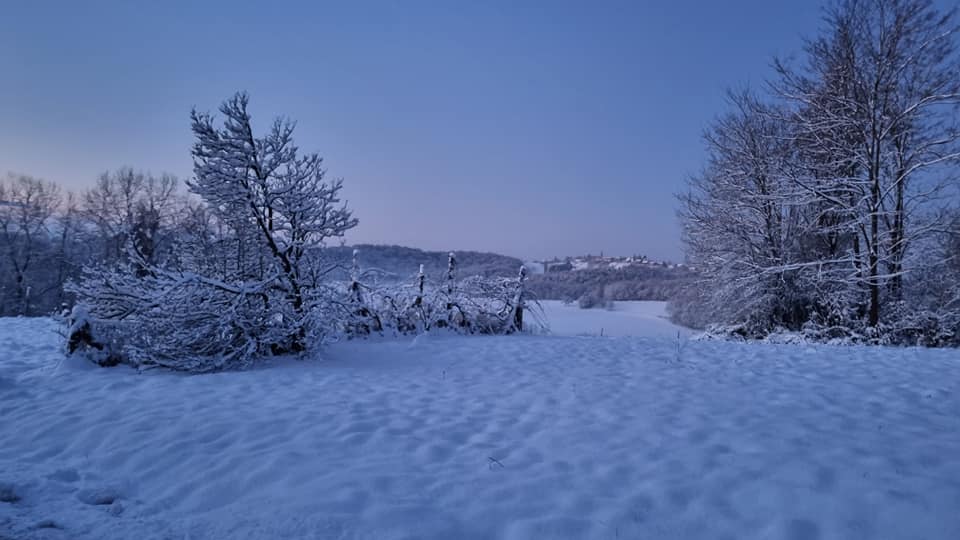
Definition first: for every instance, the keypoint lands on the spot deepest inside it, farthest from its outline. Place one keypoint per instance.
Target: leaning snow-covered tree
(247, 277)
(276, 199)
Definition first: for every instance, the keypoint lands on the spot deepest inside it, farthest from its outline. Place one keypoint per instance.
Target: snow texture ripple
(504, 437)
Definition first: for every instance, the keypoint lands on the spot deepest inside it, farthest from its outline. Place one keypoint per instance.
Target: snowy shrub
(474, 305)
(183, 321)
(594, 299)
(686, 307)
(924, 328)
(100, 348)
(782, 336)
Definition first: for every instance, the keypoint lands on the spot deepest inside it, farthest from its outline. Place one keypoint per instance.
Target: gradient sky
(531, 128)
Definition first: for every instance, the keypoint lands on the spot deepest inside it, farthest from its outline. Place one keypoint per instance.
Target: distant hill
(404, 262)
(593, 280)
(598, 284)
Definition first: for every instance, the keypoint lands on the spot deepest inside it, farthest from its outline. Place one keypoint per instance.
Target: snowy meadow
(571, 435)
(229, 356)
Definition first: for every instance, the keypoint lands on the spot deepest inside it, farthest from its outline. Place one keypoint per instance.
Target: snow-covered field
(639, 319)
(502, 437)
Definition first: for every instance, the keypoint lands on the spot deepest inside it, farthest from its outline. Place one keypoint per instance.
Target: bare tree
(876, 105)
(27, 208)
(72, 249)
(124, 200)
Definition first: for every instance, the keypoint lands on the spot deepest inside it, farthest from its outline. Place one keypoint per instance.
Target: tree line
(238, 270)
(827, 203)
(231, 271)
(47, 234)
(599, 287)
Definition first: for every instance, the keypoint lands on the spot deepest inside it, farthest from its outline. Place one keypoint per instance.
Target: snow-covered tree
(876, 106)
(741, 221)
(823, 208)
(246, 277)
(275, 200)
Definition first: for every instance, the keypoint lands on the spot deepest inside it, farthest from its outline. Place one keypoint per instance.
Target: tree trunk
(873, 280)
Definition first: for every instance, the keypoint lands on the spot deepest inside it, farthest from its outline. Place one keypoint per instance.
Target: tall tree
(739, 217)
(861, 147)
(275, 199)
(27, 209)
(123, 200)
(877, 104)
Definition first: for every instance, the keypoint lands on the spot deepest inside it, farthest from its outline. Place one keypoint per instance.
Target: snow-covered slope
(640, 319)
(506, 437)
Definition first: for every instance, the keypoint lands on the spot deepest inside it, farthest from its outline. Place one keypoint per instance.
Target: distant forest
(597, 287)
(591, 287)
(399, 263)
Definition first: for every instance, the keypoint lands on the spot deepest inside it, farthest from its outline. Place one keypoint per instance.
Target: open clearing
(502, 437)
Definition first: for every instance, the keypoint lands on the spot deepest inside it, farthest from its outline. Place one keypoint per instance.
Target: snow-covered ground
(639, 319)
(503, 437)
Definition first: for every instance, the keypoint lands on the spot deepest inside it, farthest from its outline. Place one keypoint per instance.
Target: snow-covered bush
(594, 299)
(182, 320)
(474, 305)
(99, 347)
(924, 328)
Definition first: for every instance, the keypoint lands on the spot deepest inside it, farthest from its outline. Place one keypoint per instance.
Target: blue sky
(528, 128)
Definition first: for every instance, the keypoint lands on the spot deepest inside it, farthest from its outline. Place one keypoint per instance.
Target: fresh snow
(534, 267)
(486, 437)
(640, 319)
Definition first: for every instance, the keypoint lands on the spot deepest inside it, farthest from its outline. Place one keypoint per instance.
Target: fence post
(451, 276)
(518, 300)
(355, 278)
(451, 270)
(421, 278)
